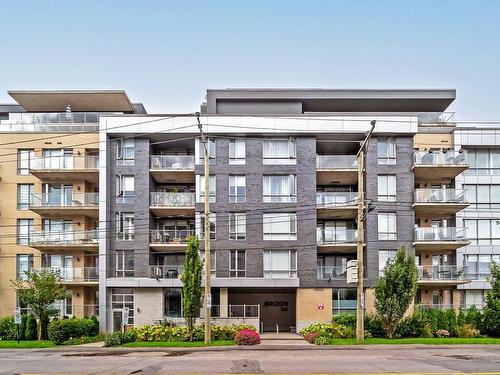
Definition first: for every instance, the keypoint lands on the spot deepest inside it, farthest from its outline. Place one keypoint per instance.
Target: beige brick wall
(308, 309)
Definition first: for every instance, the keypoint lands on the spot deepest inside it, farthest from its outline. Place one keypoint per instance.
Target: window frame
(124, 196)
(121, 219)
(234, 186)
(200, 188)
(24, 170)
(390, 180)
(234, 219)
(124, 157)
(21, 238)
(200, 225)
(390, 151)
(24, 206)
(290, 158)
(390, 235)
(234, 159)
(292, 264)
(235, 271)
(289, 197)
(291, 235)
(20, 274)
(121, 258)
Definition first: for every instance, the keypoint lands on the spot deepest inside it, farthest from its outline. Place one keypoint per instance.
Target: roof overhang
(79, 100)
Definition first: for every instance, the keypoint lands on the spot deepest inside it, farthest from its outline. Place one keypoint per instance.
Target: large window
(279, 151)
(24, 196)
(125, 151)
(483, 196)
(478, 266)
(483, 162)
(213, 262)
(124, 226)
(474, 298)
(200, 225)
(237, 189)
(200, 187)
(24, 159)
(237, 263)
(121, 298)
(237, 151)
(278, 188)
(344, 301)
(483, 231)
(125, 189)
(386, 188)
(280, 264)
(173, 302)
(387, 226)
(57, 158)
(237, 226)
(386, 151)
(280, 226)
(124, 263)
(211, 151)
(24, 263)
(383, 257)
(24, 231)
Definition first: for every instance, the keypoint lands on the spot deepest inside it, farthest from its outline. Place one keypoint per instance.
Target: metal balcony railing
(428, 306)
(448, 158)
(73, 199)
(442, 273)
(332, 199)
(172, 162)
(166, 271)
(161, 199)
(243, 311)
(331, 272)
(50, 122)
(429, 234)
(64, 162)
(64, 238)
(336, 162)
(440, 196)
(76, 309)
(166, 236)
(76, 274)
(336, 236)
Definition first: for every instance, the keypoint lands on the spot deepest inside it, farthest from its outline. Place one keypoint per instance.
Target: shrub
(374, 326)
(311, 337)
(62, 330)
(346, 320)
(467, 331)
(181, 333)
(118, 338)
(411, 326)
(442, 333)
(84, 340)
(247, 337)
(7, 328)
(475, 317)
(321, 340)
(31, 328)
(451, 319)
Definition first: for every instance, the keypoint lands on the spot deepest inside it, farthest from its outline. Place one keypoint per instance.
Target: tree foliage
(396, 290)
(492, 308)
(191, 280)
(39, 292)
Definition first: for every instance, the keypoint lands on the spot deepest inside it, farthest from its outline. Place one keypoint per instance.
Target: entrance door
(117, 320)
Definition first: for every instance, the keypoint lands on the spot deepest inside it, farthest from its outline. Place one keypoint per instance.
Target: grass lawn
(178, 344)
(26, 344)
(417, 340)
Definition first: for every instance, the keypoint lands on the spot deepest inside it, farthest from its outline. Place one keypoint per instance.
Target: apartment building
(283, 192)
(49, 183)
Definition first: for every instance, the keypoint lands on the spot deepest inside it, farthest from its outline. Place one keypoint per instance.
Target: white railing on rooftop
(436, 118)
(51, 122)
(336, 161)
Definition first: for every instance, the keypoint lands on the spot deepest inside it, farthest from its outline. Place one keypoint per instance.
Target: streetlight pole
(360, 323)
(206, 178)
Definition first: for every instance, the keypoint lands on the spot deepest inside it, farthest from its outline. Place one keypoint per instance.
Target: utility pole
(208, 295)
(360, 323)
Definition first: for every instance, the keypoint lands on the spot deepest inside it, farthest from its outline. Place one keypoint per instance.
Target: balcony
(66, 168)
(336, 240)
(172, 204)
(65, 240)
(438, 166)
(446, 275)
(336, 169)
(170, 240)
(166, 271)
(331, 273)
(172, 168)
(439, 202)
(436, 118)
(80, 122)
(337, 205)
(430, 239)
(70, 204)
(75, 276)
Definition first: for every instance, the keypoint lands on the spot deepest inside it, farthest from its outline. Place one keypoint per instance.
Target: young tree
(492, 309)
(396, 290)
(191, 280)
(39, 291)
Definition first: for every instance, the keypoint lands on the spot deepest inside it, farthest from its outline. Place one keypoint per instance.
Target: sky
(165, 54)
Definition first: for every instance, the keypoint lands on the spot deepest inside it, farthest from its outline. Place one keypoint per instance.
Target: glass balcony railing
(166, 271)
(331, 272)
(56, 200)
(336, 236)
(440, 196)
(161, 199)
(172, 162)
(65, 162)
(448, 158)
(442, 273)
(76, 274)
(436, 118)
(332, 199)
(174, 236)
(336, 162)
(430, 234)
(64, 238)
(51, 122)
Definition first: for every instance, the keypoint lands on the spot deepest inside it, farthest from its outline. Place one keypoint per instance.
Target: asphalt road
(319, 361)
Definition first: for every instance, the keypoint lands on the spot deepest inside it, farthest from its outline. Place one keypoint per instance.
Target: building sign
(283, 305)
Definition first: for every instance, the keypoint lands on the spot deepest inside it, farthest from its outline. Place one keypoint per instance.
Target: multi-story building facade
(49, 182)
(283, 202)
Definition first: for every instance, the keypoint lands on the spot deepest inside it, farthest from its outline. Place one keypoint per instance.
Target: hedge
(61, 330)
